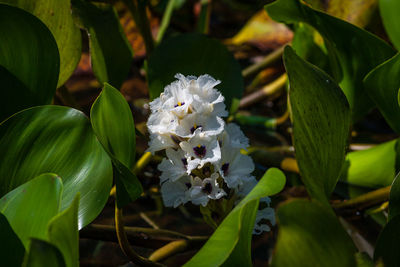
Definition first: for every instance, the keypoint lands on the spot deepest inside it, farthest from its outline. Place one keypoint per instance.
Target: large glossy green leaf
(389, 10)
(374, 167)
(113, 124)
(230, 243)
(42, 253)
(110, 52)
(387, 245)
(11, 248)
(30, 206)
(382, 85)
(56, 14)
(62, 232)
(351, 59)
(194, 54)
(28, 53)
(321, 123)
(311, 235)
(59, 140)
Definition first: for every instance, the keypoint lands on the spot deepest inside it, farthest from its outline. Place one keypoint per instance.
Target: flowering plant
(204, 164)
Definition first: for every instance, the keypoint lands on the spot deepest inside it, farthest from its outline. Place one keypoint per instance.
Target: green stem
(124, 243)
(365, 200)
(165, 20)
(169, 250)
(139, 14)
(268, 60)
(204, 17)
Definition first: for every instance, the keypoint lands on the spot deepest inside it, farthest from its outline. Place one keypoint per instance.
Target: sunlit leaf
(29, 207)
(59, 140)
(62, 232)
(56, 14)
(11, 249)
(382, 84)
(230, 243)
(113, 124)
(350, 58)
(311, 235)
(42, 253)
(194, 54)
(29, 61)
(111, 54)
(321, 124)
(390, 16)
(374, 167)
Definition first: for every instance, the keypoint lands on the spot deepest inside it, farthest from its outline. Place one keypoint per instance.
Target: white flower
(200, 149)
(176, 193)
(203, 190)
(248, 183)
(236, 136)
(208, 125)
(174, 167)
(162, 122)
(233, 166)
(266, 213)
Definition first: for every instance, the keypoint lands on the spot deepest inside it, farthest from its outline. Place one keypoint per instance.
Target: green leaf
(394, 198)
(42, 253)
(311, 235)
(194, 54)
(29, 54)
(113, 124)
(350, 58)
(56, 14)
(30, 206)
(110, 51)
(387, 245)
(62, 232)
(363, 260)
(230, 243)
(59, 140)
(11, 248)
(382, 84)
(375, 167)
(321, 123)
(389, 10)
(112, 121)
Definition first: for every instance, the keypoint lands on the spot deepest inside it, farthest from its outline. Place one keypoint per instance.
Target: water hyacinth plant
(204, 164)
(199, 133)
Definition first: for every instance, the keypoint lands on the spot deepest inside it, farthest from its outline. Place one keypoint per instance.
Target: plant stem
(139, 14)
(165, 20)
(124, 243)
(204, 17)
(368, 199)
(168, 250)
(133, 231)
(267, 90)
(268, 60)
(148, 220)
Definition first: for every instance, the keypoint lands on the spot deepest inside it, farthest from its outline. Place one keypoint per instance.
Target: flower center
(200, 151)
(195, 126)
(179, 104)
(225, 168)
(207, 188)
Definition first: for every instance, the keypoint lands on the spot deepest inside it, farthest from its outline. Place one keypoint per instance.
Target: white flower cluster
(203, 161)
